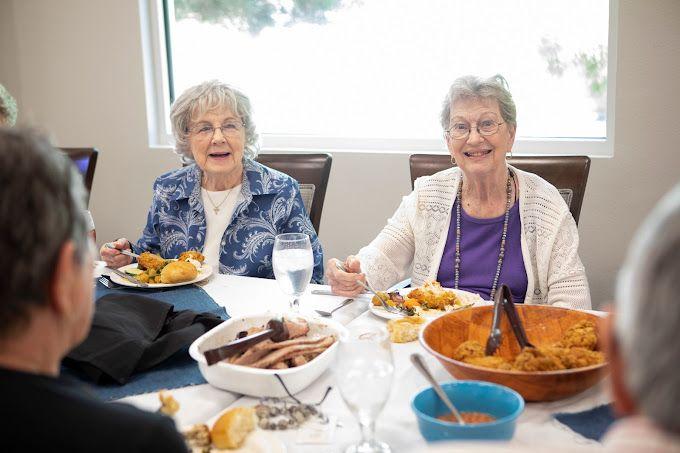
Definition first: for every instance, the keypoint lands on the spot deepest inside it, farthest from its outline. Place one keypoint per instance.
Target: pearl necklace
(501, 253)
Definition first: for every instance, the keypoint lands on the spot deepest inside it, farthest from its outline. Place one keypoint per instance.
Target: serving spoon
(276, 330)
(420, 365)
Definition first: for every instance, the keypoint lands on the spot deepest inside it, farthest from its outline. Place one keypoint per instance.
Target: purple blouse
(479, 247)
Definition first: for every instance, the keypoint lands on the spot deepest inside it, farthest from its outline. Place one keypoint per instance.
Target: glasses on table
(205, 131)
(293, 264)
(461, 129)
(363, 372)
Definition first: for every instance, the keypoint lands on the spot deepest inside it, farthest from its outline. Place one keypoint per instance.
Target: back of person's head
(647, 323)
(8, 108)
(41, 208)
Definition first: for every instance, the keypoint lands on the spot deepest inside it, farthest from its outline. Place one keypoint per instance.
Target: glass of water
(363, 374)
(293, 265)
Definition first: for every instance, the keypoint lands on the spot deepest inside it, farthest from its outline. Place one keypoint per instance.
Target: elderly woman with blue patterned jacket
(224, 204)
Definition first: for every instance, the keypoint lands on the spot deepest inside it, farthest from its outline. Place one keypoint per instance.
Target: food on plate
(197, 438)
(193, 255)
(404, 330)
(574, 350)
(169, 405)
(299, 349)
(281, 414)
(149, 261)
(232, 428)
(430, 296)
(471, 418)
(178, 272)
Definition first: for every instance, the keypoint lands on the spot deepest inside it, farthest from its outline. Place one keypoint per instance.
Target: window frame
(157, 57)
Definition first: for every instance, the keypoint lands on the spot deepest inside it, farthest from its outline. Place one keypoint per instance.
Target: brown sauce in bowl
(470, 418)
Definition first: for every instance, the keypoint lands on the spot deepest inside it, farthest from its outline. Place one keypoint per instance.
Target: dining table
(537, 429)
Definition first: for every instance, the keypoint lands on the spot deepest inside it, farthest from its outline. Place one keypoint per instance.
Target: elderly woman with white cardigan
(480, 224)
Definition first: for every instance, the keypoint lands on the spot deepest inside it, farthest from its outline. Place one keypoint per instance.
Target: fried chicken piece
(536, 359)
(576, 357)
(193, 254)
(490, 361)
(468, 349)
(583, 334)
(148, 260)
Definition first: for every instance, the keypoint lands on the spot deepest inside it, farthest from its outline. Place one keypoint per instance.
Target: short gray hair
(8, 108)
(206, 97)
(648, 314)
(473, 87)
(42, 204)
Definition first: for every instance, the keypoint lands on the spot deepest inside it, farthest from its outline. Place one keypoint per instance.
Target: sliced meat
(296, 328)
(261, 349)
(298, 360)
(292, 351)
(279, 365)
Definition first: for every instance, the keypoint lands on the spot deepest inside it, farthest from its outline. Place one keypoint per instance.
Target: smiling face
(220, 154)
(480, 155)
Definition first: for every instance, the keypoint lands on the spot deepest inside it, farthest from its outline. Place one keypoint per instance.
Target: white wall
(75, 67)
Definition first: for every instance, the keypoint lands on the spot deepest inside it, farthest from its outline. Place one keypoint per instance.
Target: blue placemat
(180, 370)
(592, 423)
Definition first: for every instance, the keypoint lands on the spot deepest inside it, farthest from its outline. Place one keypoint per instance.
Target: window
(372, 74)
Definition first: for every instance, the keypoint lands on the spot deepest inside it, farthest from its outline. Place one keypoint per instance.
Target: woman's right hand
(345, 283)
(113, 257)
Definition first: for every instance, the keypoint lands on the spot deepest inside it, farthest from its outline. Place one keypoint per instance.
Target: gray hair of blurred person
(42, 204)
(647, 318)
(206, 97)
(8, 108)
(473, 87)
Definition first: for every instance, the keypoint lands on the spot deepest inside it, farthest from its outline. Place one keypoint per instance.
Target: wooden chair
(568, 173)
(85, 159)
(311, 171)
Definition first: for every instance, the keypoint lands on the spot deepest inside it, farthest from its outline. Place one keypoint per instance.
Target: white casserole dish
(256, 381)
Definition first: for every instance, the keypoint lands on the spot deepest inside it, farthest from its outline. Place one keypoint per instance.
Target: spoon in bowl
(420, 365)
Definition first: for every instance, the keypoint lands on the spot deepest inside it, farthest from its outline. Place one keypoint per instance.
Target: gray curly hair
(8, 108)
(206, 97)
(474, 87)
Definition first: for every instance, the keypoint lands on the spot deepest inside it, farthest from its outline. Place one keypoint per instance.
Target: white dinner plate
(204, 272)
(466, 297)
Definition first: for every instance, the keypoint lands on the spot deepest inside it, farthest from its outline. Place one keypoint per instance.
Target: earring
(453, 161)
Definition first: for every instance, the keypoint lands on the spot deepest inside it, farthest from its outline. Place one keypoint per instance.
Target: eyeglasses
(228, 129)
(460, 130)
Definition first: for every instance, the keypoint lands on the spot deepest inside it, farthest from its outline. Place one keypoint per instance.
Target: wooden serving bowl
(544, 326)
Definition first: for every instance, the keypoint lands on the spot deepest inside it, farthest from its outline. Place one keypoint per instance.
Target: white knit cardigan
(414, 239)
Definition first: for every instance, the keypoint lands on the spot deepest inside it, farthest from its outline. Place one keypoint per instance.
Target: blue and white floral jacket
(270, 204)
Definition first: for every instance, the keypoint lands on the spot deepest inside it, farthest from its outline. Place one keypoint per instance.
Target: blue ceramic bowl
(496, 400)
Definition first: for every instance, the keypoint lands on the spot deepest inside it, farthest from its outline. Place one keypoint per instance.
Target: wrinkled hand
(113, 257)
(345, 283)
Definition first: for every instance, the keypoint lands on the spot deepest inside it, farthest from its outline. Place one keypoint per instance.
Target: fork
(108, 283)
(367, 286)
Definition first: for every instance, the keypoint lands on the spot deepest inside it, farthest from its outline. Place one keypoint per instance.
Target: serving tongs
(503, 302)
(276, 330)
(367, 286)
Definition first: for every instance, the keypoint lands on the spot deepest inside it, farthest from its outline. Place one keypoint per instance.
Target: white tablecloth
(397, 424)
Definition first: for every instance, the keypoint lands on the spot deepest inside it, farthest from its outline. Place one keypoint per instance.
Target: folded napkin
(592, 423)
(133, 333)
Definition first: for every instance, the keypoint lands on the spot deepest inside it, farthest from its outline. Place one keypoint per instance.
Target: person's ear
(623, 401)
(64, 276)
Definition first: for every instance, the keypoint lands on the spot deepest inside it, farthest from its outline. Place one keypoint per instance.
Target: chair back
(85, 159)
(568, 173)
(311, 171)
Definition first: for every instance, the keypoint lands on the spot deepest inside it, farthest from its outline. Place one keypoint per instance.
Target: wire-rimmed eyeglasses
(461, 129)
(206, 131)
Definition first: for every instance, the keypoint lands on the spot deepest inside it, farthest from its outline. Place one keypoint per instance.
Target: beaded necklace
(501, 253)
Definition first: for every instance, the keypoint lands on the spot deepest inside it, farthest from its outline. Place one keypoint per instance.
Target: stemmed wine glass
(293, 265)
(363, 374)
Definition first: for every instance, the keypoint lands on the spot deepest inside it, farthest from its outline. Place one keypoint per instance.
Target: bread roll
(232, 428)
(178, 272)
(404, 330)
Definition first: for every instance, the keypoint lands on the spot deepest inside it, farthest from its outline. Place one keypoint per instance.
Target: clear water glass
(293, 264)
(363, 373)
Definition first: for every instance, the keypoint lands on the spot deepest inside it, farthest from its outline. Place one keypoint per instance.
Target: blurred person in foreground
(480, 224)
(46, 309)
(644, 347)
(223, 203)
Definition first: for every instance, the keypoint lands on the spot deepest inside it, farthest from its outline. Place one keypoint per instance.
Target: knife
(127, 277)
